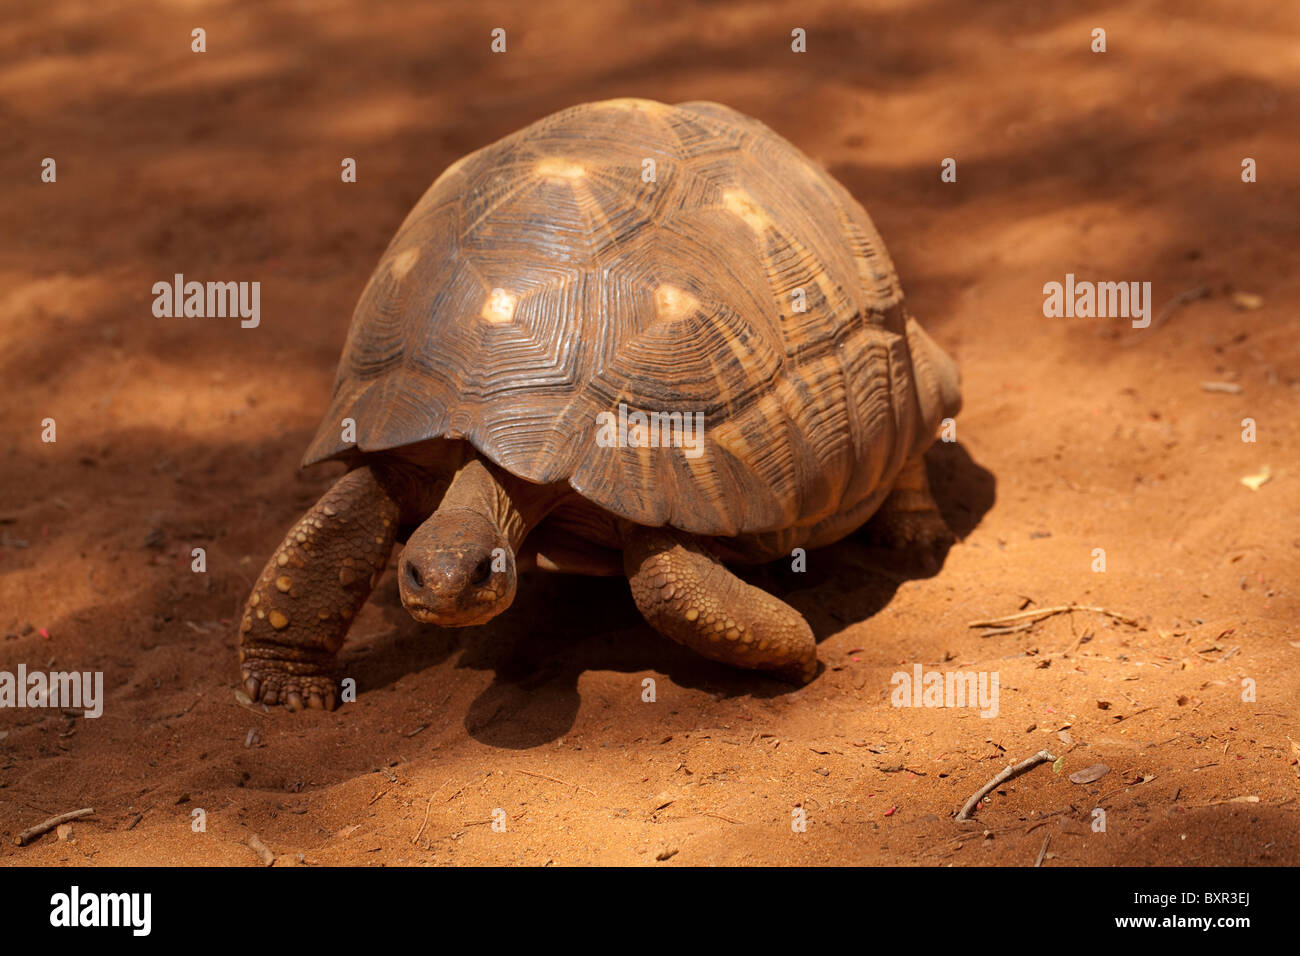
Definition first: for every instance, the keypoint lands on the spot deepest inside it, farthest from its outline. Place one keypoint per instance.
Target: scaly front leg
(687, 595)
(303, 604)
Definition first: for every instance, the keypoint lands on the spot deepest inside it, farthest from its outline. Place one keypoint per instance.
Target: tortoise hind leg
(908, 518)
(689, 596)
(303, 603)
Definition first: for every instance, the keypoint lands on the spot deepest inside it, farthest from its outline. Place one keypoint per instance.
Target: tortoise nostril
(482, 572)
(413, 575)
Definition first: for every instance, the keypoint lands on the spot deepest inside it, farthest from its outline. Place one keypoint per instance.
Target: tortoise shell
(667, 258)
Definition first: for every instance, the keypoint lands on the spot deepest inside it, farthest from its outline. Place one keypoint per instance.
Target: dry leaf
(1090, 774)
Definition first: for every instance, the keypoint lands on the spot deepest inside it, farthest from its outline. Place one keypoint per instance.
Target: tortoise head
(457, 569)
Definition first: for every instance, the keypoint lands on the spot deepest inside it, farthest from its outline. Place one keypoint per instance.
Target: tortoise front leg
(689, 596)
(302, 605)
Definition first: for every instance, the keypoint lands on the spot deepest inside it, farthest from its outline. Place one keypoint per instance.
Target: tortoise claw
(270, 684)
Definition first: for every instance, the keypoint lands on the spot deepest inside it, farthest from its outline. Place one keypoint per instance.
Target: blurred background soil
(1077, 434)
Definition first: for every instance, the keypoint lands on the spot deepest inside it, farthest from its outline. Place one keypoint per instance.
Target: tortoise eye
(482, 571)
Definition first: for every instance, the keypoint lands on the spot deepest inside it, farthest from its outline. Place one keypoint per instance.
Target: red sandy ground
(1077, 434)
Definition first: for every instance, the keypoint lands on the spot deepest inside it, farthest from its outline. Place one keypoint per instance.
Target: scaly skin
(302, 605)
(909, 519)
(687, 595)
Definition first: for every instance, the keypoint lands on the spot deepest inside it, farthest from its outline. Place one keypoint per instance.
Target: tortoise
(630, 339)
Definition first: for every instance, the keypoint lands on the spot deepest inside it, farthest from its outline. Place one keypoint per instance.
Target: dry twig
(45, 826)
(427, 807)
(1168, 309)
(1040, 613)
(710, 813)
(1003, 777)
(1042, 851)
(565, 783)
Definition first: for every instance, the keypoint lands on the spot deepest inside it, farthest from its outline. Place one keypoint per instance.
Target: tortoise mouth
(478, 608)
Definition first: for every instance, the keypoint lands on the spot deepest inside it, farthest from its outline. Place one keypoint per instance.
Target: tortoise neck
(515, 506)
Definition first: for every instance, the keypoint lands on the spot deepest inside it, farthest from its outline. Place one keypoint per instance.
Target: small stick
(1047, 818)
(1215, 803)
(710, 813)
(427, 807)
(1043, 612)
(134, 820)
(1106, 796)
(1042, 852)
(534, 773)
(1078, 642)
(261, 849)
(1005, 775)
(1168, 309)
(1132, 715)
(46, 826)
(995, 632)
(458, 792)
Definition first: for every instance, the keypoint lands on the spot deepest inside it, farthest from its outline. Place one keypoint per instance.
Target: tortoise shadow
(562, 626)
(852, 580)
